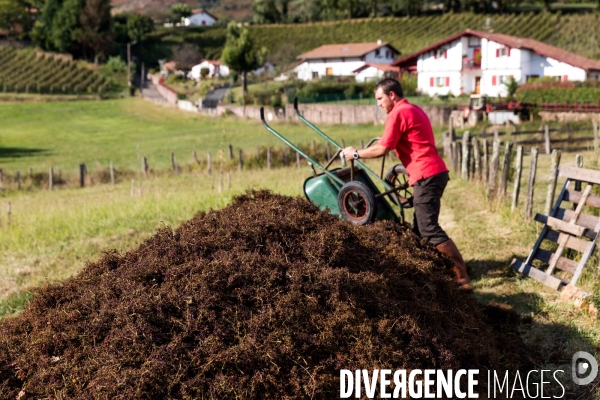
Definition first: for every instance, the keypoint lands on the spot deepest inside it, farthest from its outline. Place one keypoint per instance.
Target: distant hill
(239, 10)
(578, 33)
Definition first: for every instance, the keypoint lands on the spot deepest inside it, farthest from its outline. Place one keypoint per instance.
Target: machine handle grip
(262, 114)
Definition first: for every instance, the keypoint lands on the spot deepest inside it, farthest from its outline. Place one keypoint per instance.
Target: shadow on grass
(17, 152)
(552, 343)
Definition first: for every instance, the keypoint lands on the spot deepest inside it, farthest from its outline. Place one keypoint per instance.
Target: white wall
(453, 62)
(339, 67)
(223, 70)
(368, 74)
(199, 19)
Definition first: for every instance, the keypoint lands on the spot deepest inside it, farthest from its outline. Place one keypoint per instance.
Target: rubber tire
(392, 173)
(369, 200)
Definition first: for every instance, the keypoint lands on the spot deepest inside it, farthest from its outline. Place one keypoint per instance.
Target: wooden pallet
(569, 228)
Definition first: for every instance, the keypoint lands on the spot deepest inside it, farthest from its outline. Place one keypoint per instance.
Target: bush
(204, 72)
(564, 92)
(116, 64)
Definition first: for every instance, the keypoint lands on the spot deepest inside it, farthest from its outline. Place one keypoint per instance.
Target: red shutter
(445, 53)
(432, 82)
(497, 52)
(565, 78)
(508, 51)
(494, 80)
(447, 81)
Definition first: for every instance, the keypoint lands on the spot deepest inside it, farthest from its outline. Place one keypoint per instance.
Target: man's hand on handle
(349, 153)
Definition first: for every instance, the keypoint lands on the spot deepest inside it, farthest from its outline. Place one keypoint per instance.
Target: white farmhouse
(343, 59)
(200, 17)
(482, 62)
(215, 68)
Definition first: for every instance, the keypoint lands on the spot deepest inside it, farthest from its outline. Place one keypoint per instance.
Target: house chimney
(379, 42)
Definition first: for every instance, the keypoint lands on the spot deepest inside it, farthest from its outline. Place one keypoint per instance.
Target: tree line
(286, 11)
(84, 28)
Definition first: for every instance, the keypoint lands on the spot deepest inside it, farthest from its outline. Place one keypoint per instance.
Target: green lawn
(43, 135)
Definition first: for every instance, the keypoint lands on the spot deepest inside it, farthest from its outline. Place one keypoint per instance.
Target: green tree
(139, 26)
(240, 54)
(11, 14)
(271, 11)
(42, 31)
(96, 27)
(179, 11)
(65, 26)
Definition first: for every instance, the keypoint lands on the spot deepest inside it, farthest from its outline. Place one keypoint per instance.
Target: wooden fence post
(495, 163)
(18, 180)
(595, 127)
(578, 164)
(208, 164)
(268, 157)
(195, 156)
(286, 155)
(112, 174)
(230, 152)
(297, 160)
(145, 166)
(518, 172)
(555, 161)
(50, 178)
(314, 148)
(454, 157)
(447, 144)
(362, 144)
(328, 148)
(241, 161)
(496, 135)
(81, 175)
(531, 183)
(547, 138)
(505, 169)
(476, 160)
(484, 161)
(9, 211)
(342, 156)
(465, 155)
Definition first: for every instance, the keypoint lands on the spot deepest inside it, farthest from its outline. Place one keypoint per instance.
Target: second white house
(343, 59)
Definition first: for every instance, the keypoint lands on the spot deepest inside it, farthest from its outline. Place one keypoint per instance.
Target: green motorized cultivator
(350, 191)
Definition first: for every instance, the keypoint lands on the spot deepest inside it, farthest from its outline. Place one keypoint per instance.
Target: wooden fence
(495, 164)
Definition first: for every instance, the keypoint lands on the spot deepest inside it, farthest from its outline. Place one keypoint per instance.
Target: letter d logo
(579, 367)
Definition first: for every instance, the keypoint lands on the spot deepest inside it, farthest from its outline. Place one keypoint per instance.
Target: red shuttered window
(431, 82)
(494, 80)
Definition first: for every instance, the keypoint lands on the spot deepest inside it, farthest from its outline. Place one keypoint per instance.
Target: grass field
(97, 132)
(52, 235)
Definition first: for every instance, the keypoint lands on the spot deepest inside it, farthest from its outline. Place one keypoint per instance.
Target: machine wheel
(397, 176)
(357, 203)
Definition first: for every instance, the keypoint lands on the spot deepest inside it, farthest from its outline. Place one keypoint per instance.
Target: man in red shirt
(408, 131)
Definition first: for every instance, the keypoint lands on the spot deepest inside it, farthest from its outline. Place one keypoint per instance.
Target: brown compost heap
(267, 298)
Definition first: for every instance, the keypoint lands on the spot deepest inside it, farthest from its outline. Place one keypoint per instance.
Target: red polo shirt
(408, 131)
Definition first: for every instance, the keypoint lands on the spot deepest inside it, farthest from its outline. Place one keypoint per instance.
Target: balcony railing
(470, 63)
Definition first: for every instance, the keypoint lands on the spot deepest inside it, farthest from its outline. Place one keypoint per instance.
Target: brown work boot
(460, 269)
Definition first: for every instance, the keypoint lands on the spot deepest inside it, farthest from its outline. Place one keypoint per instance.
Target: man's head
(388, 92)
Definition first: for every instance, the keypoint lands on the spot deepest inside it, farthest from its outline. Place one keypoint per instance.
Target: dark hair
(390, 85)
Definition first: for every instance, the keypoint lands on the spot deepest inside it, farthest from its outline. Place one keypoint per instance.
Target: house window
(503, 79)
(329, 71)
(203, 22)
(441, 53)
(315, 75)
(377, 53)
(532, 78)
(474, 41)
(387, 54)
(441, 81)
(503, 52)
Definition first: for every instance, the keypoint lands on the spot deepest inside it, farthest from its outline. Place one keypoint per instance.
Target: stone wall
(326, 114)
